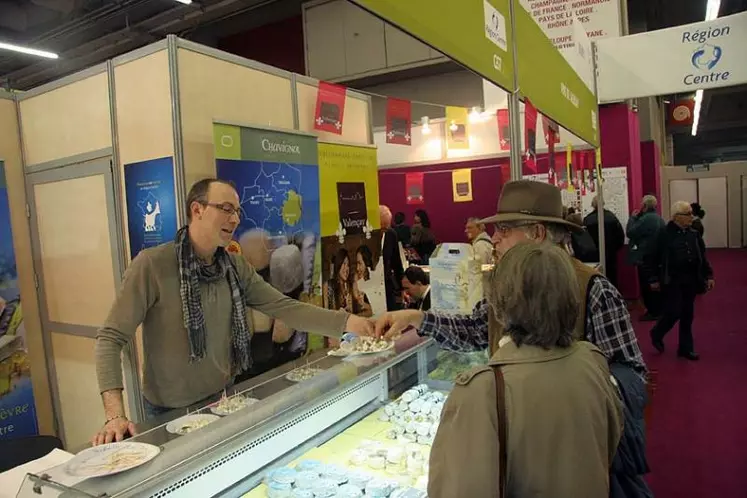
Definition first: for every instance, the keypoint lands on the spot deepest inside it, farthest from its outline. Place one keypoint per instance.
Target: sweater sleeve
(137, 294)
(263, 297)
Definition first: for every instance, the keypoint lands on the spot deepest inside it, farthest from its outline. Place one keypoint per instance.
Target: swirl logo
(706, 57)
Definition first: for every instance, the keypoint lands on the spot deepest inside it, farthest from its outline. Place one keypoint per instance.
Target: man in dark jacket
(680, 270)
(391, 256)
(614, 237)
(642, 230)
(402, 229)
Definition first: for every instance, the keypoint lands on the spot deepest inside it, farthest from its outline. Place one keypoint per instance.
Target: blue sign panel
(151, 203)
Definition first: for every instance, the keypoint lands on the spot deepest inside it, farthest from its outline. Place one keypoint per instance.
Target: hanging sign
(414, 189)
(530, 137)
(457, 128)
(330, 107)
(398, 121)
(474, 33)
(681, 112)
(151, 203)
(461, 183)
(552, 85)
(682, 59)
(504, 129)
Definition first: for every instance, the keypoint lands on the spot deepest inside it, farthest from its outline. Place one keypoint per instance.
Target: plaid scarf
(191, 273)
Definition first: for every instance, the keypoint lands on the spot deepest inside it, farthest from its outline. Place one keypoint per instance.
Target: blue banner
(17, 408)
(150, 192)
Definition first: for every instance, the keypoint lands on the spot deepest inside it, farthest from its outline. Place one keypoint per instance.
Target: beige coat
(564, 423)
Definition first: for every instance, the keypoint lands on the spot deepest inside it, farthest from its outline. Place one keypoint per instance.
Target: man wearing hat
(529, 210)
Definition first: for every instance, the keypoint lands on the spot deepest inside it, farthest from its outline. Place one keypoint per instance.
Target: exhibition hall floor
(697, 445)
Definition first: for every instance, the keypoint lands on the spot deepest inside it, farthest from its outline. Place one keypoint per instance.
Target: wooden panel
(356, 120)
(325, 40)
(713, 199)
(402, 48)
(81, 410)
(211, 89)
(144, 123)
(10, 153)
(365, 49)
(144, 108)
(66, 121)
(78, 272)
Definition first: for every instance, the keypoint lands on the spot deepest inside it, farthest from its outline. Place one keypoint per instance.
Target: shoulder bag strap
(500, 396)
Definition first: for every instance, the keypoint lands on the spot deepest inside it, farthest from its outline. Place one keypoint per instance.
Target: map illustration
(280, 198)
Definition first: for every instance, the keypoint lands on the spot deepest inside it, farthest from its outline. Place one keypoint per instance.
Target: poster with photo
(16, 393)
(151, 203)
(352, 267)
(277, 178)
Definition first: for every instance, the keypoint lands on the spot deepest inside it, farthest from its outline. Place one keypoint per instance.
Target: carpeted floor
(697, 446)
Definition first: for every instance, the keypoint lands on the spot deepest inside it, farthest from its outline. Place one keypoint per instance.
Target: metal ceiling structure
(87, 32)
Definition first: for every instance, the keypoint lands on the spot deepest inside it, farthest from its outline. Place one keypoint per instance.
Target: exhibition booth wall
(141, 121)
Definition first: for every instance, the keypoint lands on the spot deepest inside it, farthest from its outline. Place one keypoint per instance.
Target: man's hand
(655, 286)
(710, 284)
(635, 213)
(359, 326)
(114, 430)
(391, 325)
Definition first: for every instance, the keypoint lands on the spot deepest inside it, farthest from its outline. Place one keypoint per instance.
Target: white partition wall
(713, 198)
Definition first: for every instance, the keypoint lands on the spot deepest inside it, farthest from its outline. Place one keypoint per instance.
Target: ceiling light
(29, 51)
(425, 129)
(475, 116)
(712, 9)
(453, 126)
(696, 111)
(185, 2)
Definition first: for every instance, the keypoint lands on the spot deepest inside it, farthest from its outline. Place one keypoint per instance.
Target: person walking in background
(422, 238)
(643, 230)
(393, 269)
(680, 270)
(480, 240)
(550, 390)
(698, 215)
(402, 229)
(614, 237)
(582, 243)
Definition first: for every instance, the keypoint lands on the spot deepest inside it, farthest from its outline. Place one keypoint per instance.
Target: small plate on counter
(111, 458)
(190, 423)
(228, 405)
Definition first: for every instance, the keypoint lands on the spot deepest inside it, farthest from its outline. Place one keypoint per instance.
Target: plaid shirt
(608, 327)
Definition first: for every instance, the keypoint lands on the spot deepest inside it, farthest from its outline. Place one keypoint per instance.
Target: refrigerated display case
(323, 417)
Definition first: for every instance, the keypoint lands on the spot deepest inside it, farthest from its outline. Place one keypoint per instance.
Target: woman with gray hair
(543, 418)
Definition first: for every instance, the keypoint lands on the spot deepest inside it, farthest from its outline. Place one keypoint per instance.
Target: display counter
(323, 417)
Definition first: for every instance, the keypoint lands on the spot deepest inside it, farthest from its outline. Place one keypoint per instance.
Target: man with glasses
(679, 270)
(191, 297)
(529, 210)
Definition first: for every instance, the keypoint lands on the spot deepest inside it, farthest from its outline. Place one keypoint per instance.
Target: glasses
(689, 213)
(227, 208)
(504, 228)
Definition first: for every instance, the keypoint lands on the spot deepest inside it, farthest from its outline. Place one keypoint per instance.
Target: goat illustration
(150, 218)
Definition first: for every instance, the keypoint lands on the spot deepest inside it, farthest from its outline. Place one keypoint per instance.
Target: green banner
(551, 83)
(257, 144)
(474, 33)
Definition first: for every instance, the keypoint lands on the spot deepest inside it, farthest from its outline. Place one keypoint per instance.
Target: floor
(697, 446)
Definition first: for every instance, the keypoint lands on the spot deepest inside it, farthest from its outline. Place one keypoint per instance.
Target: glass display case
(336, 410)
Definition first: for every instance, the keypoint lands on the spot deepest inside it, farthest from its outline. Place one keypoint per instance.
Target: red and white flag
(398, 121)
(504, 129)
(330, 107)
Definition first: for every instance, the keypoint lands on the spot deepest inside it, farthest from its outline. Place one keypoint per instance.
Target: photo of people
(353, 274)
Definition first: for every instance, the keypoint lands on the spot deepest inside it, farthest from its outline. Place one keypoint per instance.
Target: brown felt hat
(526, 200)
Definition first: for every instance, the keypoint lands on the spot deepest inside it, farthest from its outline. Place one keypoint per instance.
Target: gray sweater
(150, 296)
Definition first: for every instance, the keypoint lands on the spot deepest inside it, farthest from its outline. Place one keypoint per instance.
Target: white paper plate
(111, 458)
(217, 409)
(343, 353)
(291, 376)
(177, 426)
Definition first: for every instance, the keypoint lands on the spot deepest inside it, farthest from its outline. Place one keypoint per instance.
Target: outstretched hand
(393, 324)
(359, 326)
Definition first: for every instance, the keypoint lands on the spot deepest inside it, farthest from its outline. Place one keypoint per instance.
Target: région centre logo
(706, 56)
